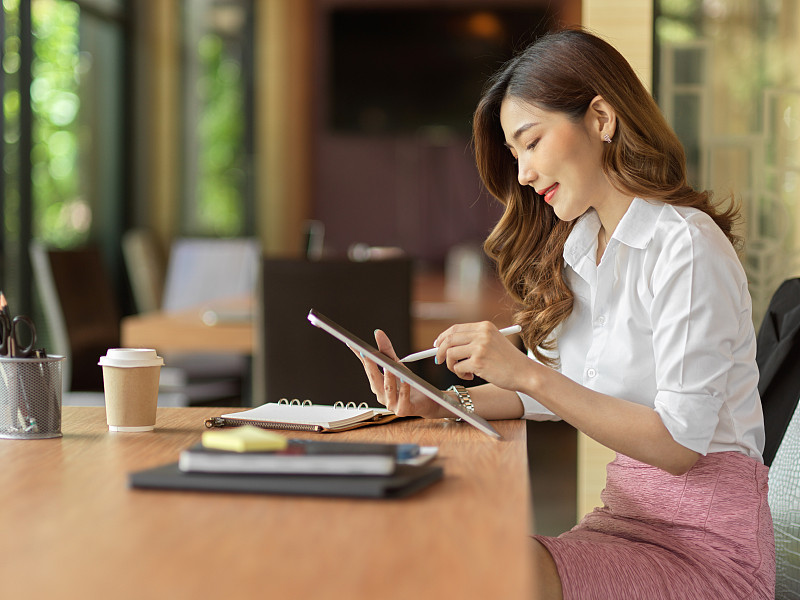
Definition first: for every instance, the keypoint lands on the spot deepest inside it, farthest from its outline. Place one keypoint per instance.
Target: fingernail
(436, 360)
(362, 355)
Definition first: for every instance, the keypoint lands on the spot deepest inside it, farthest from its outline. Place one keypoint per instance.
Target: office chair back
(203, 270)
(82, 312)
(777, 355)
(146, 268)
(297, 360)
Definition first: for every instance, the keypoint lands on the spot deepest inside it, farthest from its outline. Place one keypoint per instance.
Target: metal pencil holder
(30, 397)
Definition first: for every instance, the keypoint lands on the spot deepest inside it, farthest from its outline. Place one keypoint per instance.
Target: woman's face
(559, 158)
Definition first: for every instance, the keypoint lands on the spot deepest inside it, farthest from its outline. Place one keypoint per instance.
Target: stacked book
(248, 458)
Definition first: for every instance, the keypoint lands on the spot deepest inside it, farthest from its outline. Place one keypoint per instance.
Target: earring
(606, 138)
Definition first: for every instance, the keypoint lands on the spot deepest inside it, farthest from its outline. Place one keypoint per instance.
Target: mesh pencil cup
(30, 397)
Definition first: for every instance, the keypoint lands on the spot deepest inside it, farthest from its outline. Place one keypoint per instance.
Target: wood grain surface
(70, 527)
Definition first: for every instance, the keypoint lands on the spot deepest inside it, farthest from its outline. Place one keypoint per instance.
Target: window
(728, 83)
(217, 147)
(63, 135)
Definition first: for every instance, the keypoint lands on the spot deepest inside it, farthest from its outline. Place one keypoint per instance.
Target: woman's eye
(532, 145)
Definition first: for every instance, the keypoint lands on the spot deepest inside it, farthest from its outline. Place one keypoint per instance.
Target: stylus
(432, 351)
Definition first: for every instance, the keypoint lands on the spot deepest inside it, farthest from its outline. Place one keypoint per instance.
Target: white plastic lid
(131, 357)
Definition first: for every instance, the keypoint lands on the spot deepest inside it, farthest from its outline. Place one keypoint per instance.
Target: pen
(432, 351)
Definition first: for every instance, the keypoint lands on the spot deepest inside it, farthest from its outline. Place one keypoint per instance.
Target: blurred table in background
(229, 328)
(435, 307)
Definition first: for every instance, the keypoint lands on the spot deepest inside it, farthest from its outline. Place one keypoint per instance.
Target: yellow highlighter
(246, 438)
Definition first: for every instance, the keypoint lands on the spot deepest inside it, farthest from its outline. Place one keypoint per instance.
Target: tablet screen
(401, 371)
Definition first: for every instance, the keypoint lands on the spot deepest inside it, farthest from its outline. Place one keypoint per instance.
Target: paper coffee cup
(130, 380)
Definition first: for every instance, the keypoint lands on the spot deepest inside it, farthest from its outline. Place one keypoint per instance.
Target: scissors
(10, 344)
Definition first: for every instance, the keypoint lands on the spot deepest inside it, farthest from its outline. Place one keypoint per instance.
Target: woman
(637, 314)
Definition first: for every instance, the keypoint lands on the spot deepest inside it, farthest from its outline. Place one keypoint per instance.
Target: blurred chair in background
(146, 266)
(297, 360)
(211, 272)
(313, 239)
(217, 278)
(83, 319)
(81, 310)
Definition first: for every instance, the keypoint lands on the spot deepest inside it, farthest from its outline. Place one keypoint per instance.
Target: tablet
(401, 371)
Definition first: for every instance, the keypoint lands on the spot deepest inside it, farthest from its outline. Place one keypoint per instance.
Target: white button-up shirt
(665, 321)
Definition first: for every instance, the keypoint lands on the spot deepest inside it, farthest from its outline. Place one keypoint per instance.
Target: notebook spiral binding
(349, 405)
(223, 422)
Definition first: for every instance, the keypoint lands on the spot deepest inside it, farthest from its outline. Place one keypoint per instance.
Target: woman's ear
(601, 119)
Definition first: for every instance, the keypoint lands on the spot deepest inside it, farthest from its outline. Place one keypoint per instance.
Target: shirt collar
(635, 229)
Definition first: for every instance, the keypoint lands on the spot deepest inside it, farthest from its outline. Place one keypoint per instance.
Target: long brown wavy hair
(563, 71)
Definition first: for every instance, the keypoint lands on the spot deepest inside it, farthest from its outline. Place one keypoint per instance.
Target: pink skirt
(705, 534)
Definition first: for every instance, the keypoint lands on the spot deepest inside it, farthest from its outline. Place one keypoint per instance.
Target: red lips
(549, 193)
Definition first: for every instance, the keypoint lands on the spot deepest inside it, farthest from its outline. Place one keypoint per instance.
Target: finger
(358, 354)
(456, 354)
(375, 377)
(385, 344)
(454, 330)
(390, 392)
(440, 339)
(463, 371)
(404, 406)
(460, 338)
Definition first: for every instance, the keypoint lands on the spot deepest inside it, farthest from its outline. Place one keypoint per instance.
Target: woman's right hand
(397, 396)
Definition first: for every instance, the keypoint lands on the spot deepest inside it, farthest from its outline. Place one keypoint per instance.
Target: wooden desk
(432, 313)
(71, 528)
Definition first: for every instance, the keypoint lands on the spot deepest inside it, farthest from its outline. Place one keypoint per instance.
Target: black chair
(295, 359)
(778, 358)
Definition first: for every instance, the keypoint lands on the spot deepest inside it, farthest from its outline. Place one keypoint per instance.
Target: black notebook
(405, 481)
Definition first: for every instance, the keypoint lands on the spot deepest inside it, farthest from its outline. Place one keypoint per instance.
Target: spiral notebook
(305, 416)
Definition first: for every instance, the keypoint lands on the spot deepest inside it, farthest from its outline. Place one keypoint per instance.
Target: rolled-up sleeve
(532, 409)
(697, 287)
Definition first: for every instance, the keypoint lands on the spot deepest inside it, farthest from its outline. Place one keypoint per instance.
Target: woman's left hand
(479, 349)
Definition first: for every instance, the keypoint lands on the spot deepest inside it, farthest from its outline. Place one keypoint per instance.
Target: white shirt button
(601, 320)
(591, 373)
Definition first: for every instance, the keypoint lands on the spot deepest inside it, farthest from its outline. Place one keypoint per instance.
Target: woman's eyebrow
(520, 131)
(523, 129)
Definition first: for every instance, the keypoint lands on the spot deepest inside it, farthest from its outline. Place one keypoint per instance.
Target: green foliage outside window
(220, 131)
(61, 217)
(62, 72)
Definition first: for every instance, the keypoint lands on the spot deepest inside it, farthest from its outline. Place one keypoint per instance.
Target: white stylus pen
(432, 351)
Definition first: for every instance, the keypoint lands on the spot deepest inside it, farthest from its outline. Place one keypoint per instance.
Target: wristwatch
(463, 397)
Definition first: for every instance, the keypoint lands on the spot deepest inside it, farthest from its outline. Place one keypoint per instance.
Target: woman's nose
(525, 173)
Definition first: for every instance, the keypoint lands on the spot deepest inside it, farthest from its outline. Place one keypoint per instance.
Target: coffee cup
(130, 380)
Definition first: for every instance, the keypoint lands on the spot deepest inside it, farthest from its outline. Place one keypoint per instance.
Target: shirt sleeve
(698, 287)
(532, 409)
